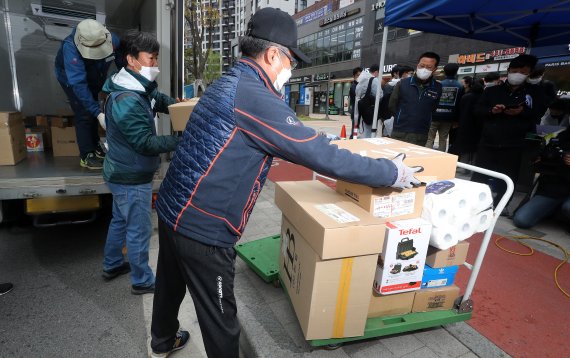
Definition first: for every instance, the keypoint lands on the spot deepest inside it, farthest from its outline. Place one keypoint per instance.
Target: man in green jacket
(133, 158)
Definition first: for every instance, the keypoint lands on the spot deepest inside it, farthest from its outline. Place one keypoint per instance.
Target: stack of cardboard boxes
(337, 246)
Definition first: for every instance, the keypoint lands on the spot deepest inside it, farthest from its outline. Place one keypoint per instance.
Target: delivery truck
(30, 37)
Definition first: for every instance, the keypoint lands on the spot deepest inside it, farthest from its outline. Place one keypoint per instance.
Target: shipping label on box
(436, 164)
(438, 277)
(332, 224)
(390, 305)
(331, 298)
(401, 263)
(435, 299)
(34, 142)
(384, 203)
(454, 256)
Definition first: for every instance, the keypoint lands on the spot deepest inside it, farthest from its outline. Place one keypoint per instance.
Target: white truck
(30, 36)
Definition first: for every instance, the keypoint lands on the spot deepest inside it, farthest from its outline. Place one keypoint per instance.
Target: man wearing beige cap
(81, 68)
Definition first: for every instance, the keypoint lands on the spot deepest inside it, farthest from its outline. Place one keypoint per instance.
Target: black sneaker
(100, 152)
(91, 162)
(141, 290)
(117, 271)
(5, 288)
(182, 337)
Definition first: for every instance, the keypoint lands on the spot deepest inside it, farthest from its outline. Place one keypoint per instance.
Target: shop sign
(300, 79)
(466, 70)
(495, 55)
(557, 64)
(379, 5)
(503, 66)
(345, 3)
(302, 93)
(338, 16)
(318, 77)
(489, 67)
(388, 68)
(317, 14)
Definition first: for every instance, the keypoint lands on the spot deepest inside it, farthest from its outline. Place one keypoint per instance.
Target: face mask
(516, 79)
(423, 73)
(490, 84)
(282, 76)
(534, 81)
(150, 73)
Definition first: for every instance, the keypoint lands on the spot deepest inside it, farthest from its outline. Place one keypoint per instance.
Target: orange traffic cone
(343, 132)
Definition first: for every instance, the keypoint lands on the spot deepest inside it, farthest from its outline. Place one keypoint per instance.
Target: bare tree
(201, 18)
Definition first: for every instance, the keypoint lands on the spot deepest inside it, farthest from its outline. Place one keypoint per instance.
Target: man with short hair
(352, 97)
(413, 101)
(446, 114)
(218, 171)
(81, 67)
(364, 108)
(492, 79)
(536, 77)
(405, 72)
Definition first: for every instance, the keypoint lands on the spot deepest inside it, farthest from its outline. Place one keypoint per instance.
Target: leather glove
(405, 179)
(101, 119)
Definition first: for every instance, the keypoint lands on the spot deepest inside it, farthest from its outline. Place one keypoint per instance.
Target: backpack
(366, 104)
(384, 110)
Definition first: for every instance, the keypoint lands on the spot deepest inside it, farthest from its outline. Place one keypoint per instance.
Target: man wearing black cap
(446, 113)
(219, 168)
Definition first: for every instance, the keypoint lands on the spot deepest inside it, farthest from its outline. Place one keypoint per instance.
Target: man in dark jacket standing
(509, 111)
(133, 159)
(446, 113)
(414, 99)
(218, 171)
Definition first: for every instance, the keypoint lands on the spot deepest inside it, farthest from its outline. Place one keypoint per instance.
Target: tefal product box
(435, 299)
(385, 203)
(401, 264)
(180, 113)
(437, 165)
(330, 297)
(454, 256)
(332, 225)
(438, 277)
(390, 305)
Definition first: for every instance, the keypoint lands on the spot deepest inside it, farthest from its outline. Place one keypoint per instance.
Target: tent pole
(380, 73)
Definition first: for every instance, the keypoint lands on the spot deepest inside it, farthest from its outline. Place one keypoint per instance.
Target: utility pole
(328, 90)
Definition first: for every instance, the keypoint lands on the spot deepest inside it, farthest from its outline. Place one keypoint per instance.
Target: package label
(337, 213)
(394, 205)
(437, 283)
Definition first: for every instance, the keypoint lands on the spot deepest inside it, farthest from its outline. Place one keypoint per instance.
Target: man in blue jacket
(81, 67)
(218, 171)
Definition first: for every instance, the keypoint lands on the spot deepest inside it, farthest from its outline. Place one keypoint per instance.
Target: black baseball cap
(276, 26)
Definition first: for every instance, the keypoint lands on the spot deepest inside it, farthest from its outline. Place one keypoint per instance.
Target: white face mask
(516, 79)
(423, 73)
(282, 77)
(534, 81)
(150, 73)
(490, 84)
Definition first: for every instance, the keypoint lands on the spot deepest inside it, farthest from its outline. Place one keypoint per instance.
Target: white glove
(406, 177)
(101, 119)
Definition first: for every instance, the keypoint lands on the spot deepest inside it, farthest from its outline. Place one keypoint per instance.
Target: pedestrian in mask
(413, 101)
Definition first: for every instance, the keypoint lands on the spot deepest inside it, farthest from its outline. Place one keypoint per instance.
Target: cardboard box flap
(180, 113)
(334, 226)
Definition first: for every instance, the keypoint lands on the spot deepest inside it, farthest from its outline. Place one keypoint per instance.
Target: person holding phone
(507, 113)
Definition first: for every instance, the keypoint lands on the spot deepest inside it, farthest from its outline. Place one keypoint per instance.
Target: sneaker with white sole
(91, 162)
(182, 338)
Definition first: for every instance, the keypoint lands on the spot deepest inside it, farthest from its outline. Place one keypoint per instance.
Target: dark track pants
(208, 272)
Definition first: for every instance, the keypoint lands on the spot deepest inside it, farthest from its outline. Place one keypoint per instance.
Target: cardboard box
(34, 142)
(438, 277)
(454, 256)
(331, 298)
(333, 226)
(390, 305)
(435, 299)
(61, 122)
(385, 203)
(64, 142)
(438, 165)
(42, 121)
(180, 113)
(401, 263)
(12, 140)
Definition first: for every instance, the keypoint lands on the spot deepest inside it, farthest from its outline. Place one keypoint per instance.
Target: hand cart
(262, 256)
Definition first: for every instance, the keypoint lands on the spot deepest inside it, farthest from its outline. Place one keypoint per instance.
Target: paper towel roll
(461, 197)
(443, 238)
(483, 220)
(465, 229)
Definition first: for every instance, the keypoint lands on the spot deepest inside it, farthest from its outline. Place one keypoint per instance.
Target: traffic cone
(343, 132)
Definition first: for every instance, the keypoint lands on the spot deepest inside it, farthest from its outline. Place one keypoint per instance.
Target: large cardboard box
(385, 203)
(401, 264)
(180, 113)
(390, 305)
(331, 297)
(332, 225)
(12, 138)
(438, 165)
(10, 120)
(64, 142)
(454, 256)
(435, 299)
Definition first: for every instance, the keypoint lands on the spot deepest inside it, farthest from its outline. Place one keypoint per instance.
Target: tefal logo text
(411, 231)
